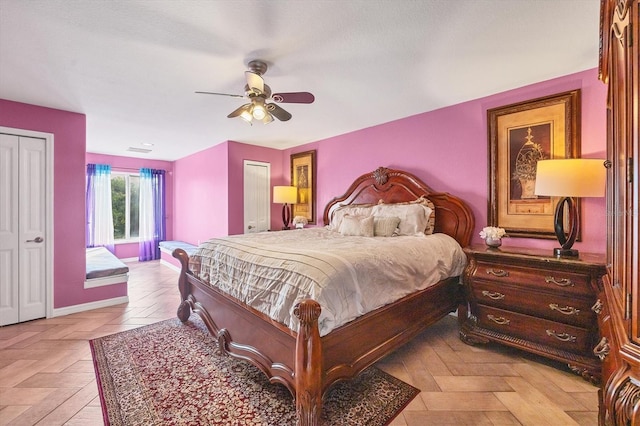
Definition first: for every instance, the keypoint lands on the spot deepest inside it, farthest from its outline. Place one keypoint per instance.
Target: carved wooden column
(308, 369)
(184, 310)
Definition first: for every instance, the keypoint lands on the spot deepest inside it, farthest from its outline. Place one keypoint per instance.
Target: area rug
(172, 373)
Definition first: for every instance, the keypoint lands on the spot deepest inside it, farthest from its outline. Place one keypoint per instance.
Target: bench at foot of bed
(166, 252)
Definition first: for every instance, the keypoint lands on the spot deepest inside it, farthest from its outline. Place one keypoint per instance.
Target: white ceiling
(132, 66)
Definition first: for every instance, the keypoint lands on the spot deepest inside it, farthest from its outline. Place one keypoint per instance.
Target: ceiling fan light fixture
(259, 93)
(247, 116)
(267, 119)
(258, 110)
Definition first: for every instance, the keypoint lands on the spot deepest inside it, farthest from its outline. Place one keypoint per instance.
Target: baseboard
(67, 310)
(129, 259)
(169, 265)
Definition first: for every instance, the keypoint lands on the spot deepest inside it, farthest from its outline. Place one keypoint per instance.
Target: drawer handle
(498, 272)
(597, 307)
(567, 310)
(499, 320)
(492, 295)
(562, 282)
(602, 349)
(564, 337)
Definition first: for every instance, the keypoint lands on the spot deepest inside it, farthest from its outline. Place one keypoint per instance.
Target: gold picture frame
(303, 177)
(519, 136)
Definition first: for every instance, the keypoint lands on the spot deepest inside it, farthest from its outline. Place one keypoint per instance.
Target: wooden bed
(304, 362)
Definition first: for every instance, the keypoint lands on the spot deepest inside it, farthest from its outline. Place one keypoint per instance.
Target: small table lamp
(569, 178)
(285, 195)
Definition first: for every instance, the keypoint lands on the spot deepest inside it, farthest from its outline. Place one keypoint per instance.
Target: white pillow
(413, 217)
(385, 226)
(359, 226)
(353, 210)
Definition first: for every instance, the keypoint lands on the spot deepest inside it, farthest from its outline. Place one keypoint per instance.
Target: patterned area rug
(171, 373)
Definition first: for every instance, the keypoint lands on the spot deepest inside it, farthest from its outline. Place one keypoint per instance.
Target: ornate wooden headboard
(453, 216)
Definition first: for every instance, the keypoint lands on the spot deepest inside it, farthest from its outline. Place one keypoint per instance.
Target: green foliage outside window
(125, 203)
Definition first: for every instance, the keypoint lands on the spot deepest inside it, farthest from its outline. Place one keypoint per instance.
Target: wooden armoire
(618, 306)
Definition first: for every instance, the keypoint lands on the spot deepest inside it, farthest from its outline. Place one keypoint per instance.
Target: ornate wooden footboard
(301, 360)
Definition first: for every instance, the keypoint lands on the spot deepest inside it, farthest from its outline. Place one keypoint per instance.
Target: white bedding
(348, 276)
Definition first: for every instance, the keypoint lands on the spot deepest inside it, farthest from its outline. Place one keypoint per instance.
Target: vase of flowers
(299, 222)
(492, 236)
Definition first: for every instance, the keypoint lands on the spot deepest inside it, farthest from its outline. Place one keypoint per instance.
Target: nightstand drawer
(543, 332)
(555, 280)
(551, 306)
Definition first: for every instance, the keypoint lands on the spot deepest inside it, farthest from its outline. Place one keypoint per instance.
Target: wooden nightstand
(529, 299)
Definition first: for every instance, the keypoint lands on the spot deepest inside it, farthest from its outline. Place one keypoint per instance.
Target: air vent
(141, 150)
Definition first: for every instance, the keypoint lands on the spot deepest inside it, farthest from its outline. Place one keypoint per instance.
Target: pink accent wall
(69, 130)
(130, 164)
(447, 148)
(201, 206)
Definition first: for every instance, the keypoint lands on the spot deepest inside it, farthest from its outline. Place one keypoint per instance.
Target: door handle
(250, 227)
(36, 240)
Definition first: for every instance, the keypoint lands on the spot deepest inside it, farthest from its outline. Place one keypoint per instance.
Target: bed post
(184, 310)
(308, 368)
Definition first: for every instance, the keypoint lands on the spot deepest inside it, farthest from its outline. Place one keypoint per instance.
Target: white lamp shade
(571, 177)
(285, 194)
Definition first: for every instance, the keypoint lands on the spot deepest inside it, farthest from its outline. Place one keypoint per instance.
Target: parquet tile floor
(47, 377)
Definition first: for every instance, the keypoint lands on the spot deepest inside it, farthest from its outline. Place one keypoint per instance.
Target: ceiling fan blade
(254, 81)
(238, 111)
(294, 97)
(221, 94)
(278, 112)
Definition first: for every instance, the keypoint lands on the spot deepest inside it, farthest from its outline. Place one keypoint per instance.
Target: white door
(23, 223)
(257, 199)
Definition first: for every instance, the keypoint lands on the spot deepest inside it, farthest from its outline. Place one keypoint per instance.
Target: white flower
(492, 232)
(300, 219)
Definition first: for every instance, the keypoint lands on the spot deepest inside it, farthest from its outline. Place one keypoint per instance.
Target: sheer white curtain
(99, 230)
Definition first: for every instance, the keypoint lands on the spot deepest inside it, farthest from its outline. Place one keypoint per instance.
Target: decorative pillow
(359, 226)
(430, 211)
(353, 210)
(385, 226)
(413, 217)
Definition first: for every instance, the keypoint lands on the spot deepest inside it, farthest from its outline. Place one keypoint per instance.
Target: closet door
(9, 231)
(22, 229)
(257, 181)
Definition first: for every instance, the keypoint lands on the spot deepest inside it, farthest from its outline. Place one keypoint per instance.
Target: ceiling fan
(259, 93)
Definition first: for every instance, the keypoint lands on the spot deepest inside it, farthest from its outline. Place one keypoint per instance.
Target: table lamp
(569, 178)
(285, 195)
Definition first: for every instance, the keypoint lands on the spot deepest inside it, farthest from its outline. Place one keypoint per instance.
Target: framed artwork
(519, 136)
(303, 177)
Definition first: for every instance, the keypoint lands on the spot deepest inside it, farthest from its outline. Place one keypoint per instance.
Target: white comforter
(348, 276)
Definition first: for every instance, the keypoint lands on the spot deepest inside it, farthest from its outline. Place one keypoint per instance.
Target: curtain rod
(134, 169)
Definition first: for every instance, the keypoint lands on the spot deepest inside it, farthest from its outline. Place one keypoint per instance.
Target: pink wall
(447, 148)
(130, 164)
(201, 207)
(69, 130)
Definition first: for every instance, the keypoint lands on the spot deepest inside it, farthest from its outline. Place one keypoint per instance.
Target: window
(125, 201)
